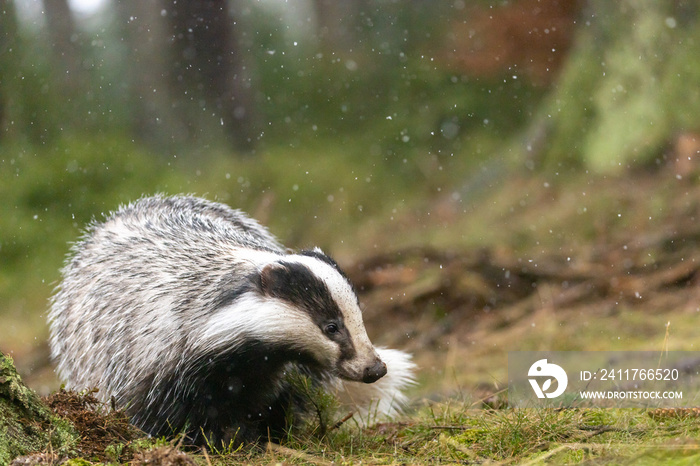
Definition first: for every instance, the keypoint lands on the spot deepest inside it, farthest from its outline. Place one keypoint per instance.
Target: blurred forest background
(362, 126)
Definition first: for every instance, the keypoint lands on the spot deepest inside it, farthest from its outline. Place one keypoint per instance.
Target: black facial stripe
(342, 337)
(296, 284)
(299, 286)
(330, 261)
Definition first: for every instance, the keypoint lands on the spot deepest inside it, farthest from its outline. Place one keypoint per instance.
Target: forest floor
(537, 263)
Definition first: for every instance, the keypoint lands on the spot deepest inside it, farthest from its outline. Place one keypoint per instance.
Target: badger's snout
(375, 372)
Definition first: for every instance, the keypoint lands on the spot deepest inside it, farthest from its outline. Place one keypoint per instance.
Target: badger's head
(319, 315)
(290, 307)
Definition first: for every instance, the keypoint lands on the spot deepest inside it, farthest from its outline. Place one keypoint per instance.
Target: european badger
(190, 315)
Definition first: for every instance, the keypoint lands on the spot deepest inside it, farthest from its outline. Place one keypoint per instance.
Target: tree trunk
(8, 60)
(237, 95)
(210, 82)
(65, 39)
(628, 87)
(145, 31)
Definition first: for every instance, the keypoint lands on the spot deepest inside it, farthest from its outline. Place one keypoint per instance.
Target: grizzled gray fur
(189, 314)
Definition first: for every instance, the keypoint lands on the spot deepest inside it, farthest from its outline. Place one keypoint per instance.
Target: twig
(483, 399)
(341, 422)
(206, 456)
(451, 427)
(602, 446)
(597, 430)
(300, 455)
(601, 429)
(567, 446)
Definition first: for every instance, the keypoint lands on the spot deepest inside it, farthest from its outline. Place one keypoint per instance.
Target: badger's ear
(271, 279)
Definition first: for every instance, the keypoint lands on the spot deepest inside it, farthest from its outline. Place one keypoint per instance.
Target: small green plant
(114, 451)
(223, 449)
(322, 403)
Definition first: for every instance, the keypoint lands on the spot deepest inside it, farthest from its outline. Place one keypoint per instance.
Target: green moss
(114, 451)
(26, 424)
(77, 462)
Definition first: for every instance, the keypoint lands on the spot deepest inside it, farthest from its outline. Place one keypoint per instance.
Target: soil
(105, 432)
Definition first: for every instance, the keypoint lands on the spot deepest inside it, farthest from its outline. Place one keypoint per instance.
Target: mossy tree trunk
(629, 86)
(26, 424)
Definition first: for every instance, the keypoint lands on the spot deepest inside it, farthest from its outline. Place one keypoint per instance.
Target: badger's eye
(332, 328)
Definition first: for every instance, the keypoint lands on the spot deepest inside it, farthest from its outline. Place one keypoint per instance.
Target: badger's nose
(374, 373)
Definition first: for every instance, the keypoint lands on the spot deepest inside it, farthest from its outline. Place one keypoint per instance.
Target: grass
(456, 430)
(461, 432)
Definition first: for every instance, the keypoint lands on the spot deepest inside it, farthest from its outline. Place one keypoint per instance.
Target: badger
(191, 316)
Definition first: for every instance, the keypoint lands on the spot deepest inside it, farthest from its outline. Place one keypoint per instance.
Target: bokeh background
(486, 136)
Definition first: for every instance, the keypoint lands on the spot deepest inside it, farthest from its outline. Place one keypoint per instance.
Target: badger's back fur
(190, 314)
